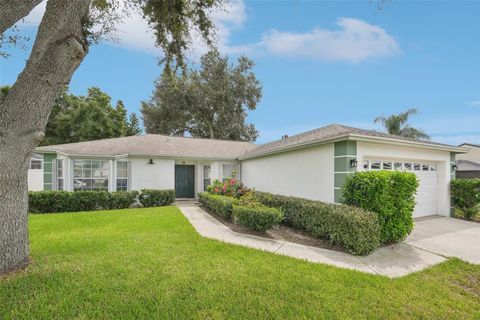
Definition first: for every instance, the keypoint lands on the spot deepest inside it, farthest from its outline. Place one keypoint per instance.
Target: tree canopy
(209, 102)
(397, 124)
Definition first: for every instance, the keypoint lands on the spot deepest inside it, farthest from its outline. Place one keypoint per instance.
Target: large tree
(397, 124)
(78, 118)
(62, 41)
(209, 102)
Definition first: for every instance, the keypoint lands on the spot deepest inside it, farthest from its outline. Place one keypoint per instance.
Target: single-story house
(468, 164)
(311, 165)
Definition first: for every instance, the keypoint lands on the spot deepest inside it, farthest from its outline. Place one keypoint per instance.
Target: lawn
(150, 263)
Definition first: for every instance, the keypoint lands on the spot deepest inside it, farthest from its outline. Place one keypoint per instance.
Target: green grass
(150, 263)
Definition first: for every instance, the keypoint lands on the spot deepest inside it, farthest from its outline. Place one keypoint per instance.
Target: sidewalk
(393, 261)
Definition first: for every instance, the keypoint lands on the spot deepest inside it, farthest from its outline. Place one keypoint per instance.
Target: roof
(470, 144)
(332, 132)
(467, 165)
(154, 145)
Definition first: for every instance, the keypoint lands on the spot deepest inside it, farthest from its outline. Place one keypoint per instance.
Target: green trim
(48, 159)
(344, 151)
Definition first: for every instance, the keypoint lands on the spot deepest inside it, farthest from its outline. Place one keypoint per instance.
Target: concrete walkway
(391, 261)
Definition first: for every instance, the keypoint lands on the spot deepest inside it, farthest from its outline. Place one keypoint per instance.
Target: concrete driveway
(447, 237)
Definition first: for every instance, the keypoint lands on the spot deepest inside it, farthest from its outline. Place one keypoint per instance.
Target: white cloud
(475, 103)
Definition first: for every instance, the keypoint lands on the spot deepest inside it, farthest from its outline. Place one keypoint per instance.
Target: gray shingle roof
(156, 145)
(326, 133)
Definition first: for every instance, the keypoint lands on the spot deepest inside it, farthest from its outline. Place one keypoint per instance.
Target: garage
(427, 173)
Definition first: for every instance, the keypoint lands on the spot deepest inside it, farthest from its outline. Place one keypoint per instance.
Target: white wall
(35, 179)
(306, 173)
(160, 175)
(368, 150)
(472, 155)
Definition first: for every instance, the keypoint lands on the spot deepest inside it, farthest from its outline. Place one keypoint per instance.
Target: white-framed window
(408, 166)
(366, 164)
(417, 166)
(123, 169)
(229, 170)
(36, 162)
(425, 167)
(387, 165)
(398, 166)
(90, 174)
(433, 167)
(207, 176)
(60, 174)
(376, 165)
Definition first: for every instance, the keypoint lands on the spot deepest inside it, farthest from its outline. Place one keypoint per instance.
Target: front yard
(150, 263)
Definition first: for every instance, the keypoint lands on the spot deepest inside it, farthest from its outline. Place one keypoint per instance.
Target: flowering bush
(230, 187)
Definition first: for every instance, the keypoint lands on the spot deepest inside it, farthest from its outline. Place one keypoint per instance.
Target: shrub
(390, 194)
(466, 197)
(259, 217)
(221, 205)
(156, 198)
(64, 201)
(354, 229)
(230, 187)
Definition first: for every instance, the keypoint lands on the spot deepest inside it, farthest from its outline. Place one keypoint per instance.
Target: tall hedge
(390, 194)
(466, 197)
(352, 228)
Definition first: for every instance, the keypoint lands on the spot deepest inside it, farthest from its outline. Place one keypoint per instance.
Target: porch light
(454, 167)
(151, 161)
(353, 163)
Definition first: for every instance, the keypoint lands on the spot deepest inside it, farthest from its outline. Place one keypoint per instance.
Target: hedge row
(390, 194)
(354, 229)
(250, 214)
(466, 197)
(64, 201)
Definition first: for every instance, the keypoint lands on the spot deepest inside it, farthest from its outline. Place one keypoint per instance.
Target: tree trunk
(59, 48)
(13, 10)
(210, 131)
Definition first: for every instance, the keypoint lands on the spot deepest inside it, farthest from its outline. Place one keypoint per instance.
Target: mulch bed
(280, 232)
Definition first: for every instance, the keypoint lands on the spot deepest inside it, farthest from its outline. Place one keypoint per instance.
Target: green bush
(466, 197)
(259, 217)
(221, 205)
(390, 194)
(64, 201)
(156, 198)
(230, 187)
(354, 229)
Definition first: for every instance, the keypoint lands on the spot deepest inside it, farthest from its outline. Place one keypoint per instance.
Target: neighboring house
(468, 164)
(311, 165)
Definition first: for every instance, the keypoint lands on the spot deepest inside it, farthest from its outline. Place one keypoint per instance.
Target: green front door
(184, 181)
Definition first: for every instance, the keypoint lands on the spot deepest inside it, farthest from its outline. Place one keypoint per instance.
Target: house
(468, 164)
(311, 165)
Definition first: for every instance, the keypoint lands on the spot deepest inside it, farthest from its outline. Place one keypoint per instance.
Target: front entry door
(184, 181)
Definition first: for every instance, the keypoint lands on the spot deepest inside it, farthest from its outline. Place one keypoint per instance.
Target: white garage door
(427, 173)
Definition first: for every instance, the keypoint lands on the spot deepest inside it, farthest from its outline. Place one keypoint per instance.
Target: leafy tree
(120, 121)
(133, 125)
(209, 102)
(62, 41)
(397, 124)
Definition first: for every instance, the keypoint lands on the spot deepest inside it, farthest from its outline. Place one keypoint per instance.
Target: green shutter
(48, 159)
(345, 151)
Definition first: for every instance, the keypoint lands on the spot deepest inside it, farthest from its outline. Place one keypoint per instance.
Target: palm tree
(397, 124)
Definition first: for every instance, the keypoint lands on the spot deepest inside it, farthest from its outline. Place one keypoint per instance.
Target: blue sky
(319, 62)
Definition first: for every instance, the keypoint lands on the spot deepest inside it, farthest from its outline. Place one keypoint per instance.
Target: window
(36, 162)
(60, 177)
(229, 170)
(433, 167)
(207, 176)
(407, 166)
(424, 166)
(387, 166)
(366, 163)
(397, 166)
(376, 165)
(416, 166)
(90, 174)
(122, 175)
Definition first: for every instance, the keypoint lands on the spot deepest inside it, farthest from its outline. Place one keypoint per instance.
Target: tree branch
(11, 11)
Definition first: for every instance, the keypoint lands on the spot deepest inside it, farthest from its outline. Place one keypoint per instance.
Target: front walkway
(391, 261)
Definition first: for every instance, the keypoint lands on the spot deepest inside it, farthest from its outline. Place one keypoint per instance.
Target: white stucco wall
(369, 150)
(160, 175)
(306, 173)
(35, 179)
(472, 155)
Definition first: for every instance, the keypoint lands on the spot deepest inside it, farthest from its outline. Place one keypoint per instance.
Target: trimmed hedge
(390, 194)
(259, 218)
(221, 205)
(156, 198)
(466, 197)
(64, 201)
(354, 229)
